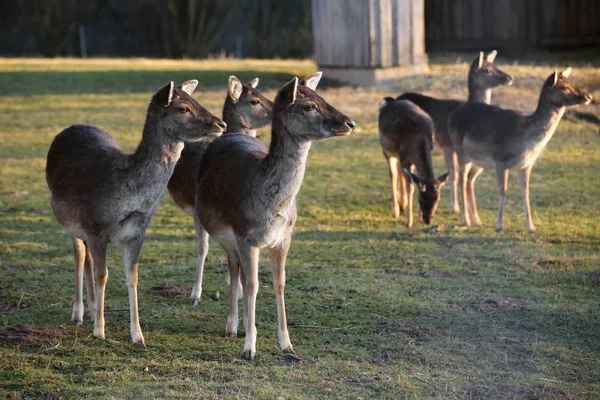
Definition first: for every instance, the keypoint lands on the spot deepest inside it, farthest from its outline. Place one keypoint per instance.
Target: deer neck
(543, 122)
(235, 122)
(477, 92)
(423, 160)
(283, 168)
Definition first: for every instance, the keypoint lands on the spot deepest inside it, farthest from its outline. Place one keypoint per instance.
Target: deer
(246, 196)
(482, 78)
(245, 110)
(406, 137)
(100, 194)
(491, 137)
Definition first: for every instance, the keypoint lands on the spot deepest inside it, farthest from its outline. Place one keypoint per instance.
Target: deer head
(562, 92)
(485, 74)
(429, 194)
(247, 104)
(182, 118)
(306, 115)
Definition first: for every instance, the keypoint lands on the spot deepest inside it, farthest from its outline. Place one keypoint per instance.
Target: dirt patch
(31, 335)
(170, 291)
(422, 274)
(593, 277)
(499, 304)
(414, 331)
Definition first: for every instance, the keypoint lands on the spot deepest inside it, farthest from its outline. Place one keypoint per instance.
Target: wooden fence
(511, 25)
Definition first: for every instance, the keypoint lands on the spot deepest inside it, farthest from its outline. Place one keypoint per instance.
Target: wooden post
(368, 42)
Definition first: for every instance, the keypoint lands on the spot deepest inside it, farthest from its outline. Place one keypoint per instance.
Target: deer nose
(350, 124)
(509, 80)
(588, 98)
(221, 125)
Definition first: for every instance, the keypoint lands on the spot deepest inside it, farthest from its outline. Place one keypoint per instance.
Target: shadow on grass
(25, 83)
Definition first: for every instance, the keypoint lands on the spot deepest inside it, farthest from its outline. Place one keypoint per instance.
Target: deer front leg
(524, 176)
(393, 169)
(79, 256)
(249, 263)
(474, 172)
(131, 255)
(278, 256)
(409, 189)
(89, 280)
(98, 250)
(502, 178)
(202, 236)
(463, 176)
(450, 161)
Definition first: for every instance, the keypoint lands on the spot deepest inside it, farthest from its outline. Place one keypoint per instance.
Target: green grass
(375, 310)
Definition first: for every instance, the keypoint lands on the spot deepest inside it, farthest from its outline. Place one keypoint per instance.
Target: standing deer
(244, 111)
(101, 195)
(246, 196)
(406, 136)
(491, 137)
(483, 77)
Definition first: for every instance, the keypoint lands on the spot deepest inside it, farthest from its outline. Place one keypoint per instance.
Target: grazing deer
(101, 194)
(406, 136)
(246, 196)
(244, 111)
(483, 77)
(491, 137)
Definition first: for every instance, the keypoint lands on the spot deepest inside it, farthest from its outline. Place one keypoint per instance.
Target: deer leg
(524, 176)
(502, 178)
(131, 256)
(392, 164)
(202, 236)
(474, 172)
(463, 175)
(278, 256)
(249, 263)
(98, 251)
(89, 280)
(409, 189)
(234, 272)
(79, 256)
(403, 194)
(450, 161)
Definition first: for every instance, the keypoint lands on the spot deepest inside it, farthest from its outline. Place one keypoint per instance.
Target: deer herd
(243, 193)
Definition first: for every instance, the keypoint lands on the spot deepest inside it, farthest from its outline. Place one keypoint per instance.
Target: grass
(375, 310)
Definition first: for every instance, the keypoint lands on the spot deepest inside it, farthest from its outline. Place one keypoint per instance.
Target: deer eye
(309, 107)
(255, 102)
(183, 109)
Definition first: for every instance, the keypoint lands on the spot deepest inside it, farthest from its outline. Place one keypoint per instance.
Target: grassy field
(375, 310)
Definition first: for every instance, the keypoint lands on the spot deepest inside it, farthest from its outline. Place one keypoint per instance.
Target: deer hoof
(249, 355)
(231, 335)
(77, 322)
(194, 302)
(289, 351)
(140, 345)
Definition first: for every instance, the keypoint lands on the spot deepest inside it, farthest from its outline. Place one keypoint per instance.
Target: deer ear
(235, 88)
(443, 178)
(312, 81)
(555, 78)
(253, 83)
(164, 95)
(189, 86)
(480, 62)
(567, 72)
(492, 56)
(289, 91)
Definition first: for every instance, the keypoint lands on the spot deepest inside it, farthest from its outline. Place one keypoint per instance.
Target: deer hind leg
(233, 319)
(524, 176)
(502, 178)
(278, 256)
(131, 256)
(89, 280)
(393, 169)
(249, 263)
(202, 236)
(79, 256)
(450, 161)
(473, 174)
(463, 174)
(403, 194)
(409, 189)
(98, 251)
